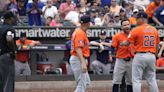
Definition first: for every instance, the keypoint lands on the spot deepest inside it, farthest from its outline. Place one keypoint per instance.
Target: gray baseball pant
(22, 69)
(122, 68)
(82, 79)
(99, 67)
(144, 63)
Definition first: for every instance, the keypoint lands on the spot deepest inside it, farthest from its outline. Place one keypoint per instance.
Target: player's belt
(127, 59)
(146, 52)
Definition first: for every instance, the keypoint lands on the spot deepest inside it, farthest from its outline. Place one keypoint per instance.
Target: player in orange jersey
(79, 54)
(145, 39)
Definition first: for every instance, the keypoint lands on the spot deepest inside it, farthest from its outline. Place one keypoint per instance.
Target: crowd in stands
(67, 12)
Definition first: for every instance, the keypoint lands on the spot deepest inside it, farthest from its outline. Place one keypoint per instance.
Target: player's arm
(34, 43)
(160, 68)
(79, 44)
(95, 43)
(131, 38)
(161, 50)
(10, 40)
(106, 44)
(82, 60)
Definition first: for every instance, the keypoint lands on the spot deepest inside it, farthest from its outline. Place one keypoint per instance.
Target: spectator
(56, 3)
(132, 19)
(117, 21)
(105, 2)
(93, 15)
(49, 10)
(123, 14)
(151, 9)
(66, 7)
(114, 8)
(159, 14)
(84, 7)
(22, 7)
(73, 16)
(56, 21)
(13, 7)
(102, 64)
(22, 56)
(143, 3)
(48, 21)
(128, 10)
(34, 10)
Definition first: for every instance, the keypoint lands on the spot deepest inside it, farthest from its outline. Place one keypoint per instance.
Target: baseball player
(79, 54)
(145, 39)
(22, 57)
(102, 63)
(7, 53)
(123, 64)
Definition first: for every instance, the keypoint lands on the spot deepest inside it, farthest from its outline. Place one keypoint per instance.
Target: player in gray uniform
(123, 65)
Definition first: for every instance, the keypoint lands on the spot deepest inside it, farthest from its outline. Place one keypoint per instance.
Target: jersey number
(148, 41)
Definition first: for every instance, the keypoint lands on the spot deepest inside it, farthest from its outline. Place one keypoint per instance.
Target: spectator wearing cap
(103, 59)
(114, 8)
(123, 15)
(93, 15)
(159, 14)
(49, 10)
(79, 53)
(34, 11)
(66, 7)
(22, 67)
(117, 21)
(132, 19)
(151, 9)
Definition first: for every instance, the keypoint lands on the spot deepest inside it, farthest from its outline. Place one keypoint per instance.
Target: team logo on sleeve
(80, 41)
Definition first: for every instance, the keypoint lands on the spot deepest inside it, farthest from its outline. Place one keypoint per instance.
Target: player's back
(146, 38)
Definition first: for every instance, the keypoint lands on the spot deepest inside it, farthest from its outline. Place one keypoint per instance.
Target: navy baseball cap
(23, 34)
(102, 33)
(8, 15)
(85, 19)
(142, 15)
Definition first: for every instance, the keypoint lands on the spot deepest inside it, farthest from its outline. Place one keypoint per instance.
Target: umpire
(7, 53)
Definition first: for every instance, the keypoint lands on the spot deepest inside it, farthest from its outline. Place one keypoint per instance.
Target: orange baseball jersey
(121, 51)
(150, 9)
(80, 39)
(160, 62)
(23, 55)
(132, 20)
(145, 38)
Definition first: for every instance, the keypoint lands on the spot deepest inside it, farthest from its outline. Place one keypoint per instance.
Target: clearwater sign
(63, 32)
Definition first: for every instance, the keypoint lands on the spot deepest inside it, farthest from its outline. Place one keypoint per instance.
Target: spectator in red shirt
(22, 56)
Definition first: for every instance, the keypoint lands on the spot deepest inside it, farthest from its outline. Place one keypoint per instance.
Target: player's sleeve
(78, 40)
(132, 36)
(114, 42)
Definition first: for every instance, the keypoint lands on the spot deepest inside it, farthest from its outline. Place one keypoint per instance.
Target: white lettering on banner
(64, 32)
(161, 32)
(44, 32)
